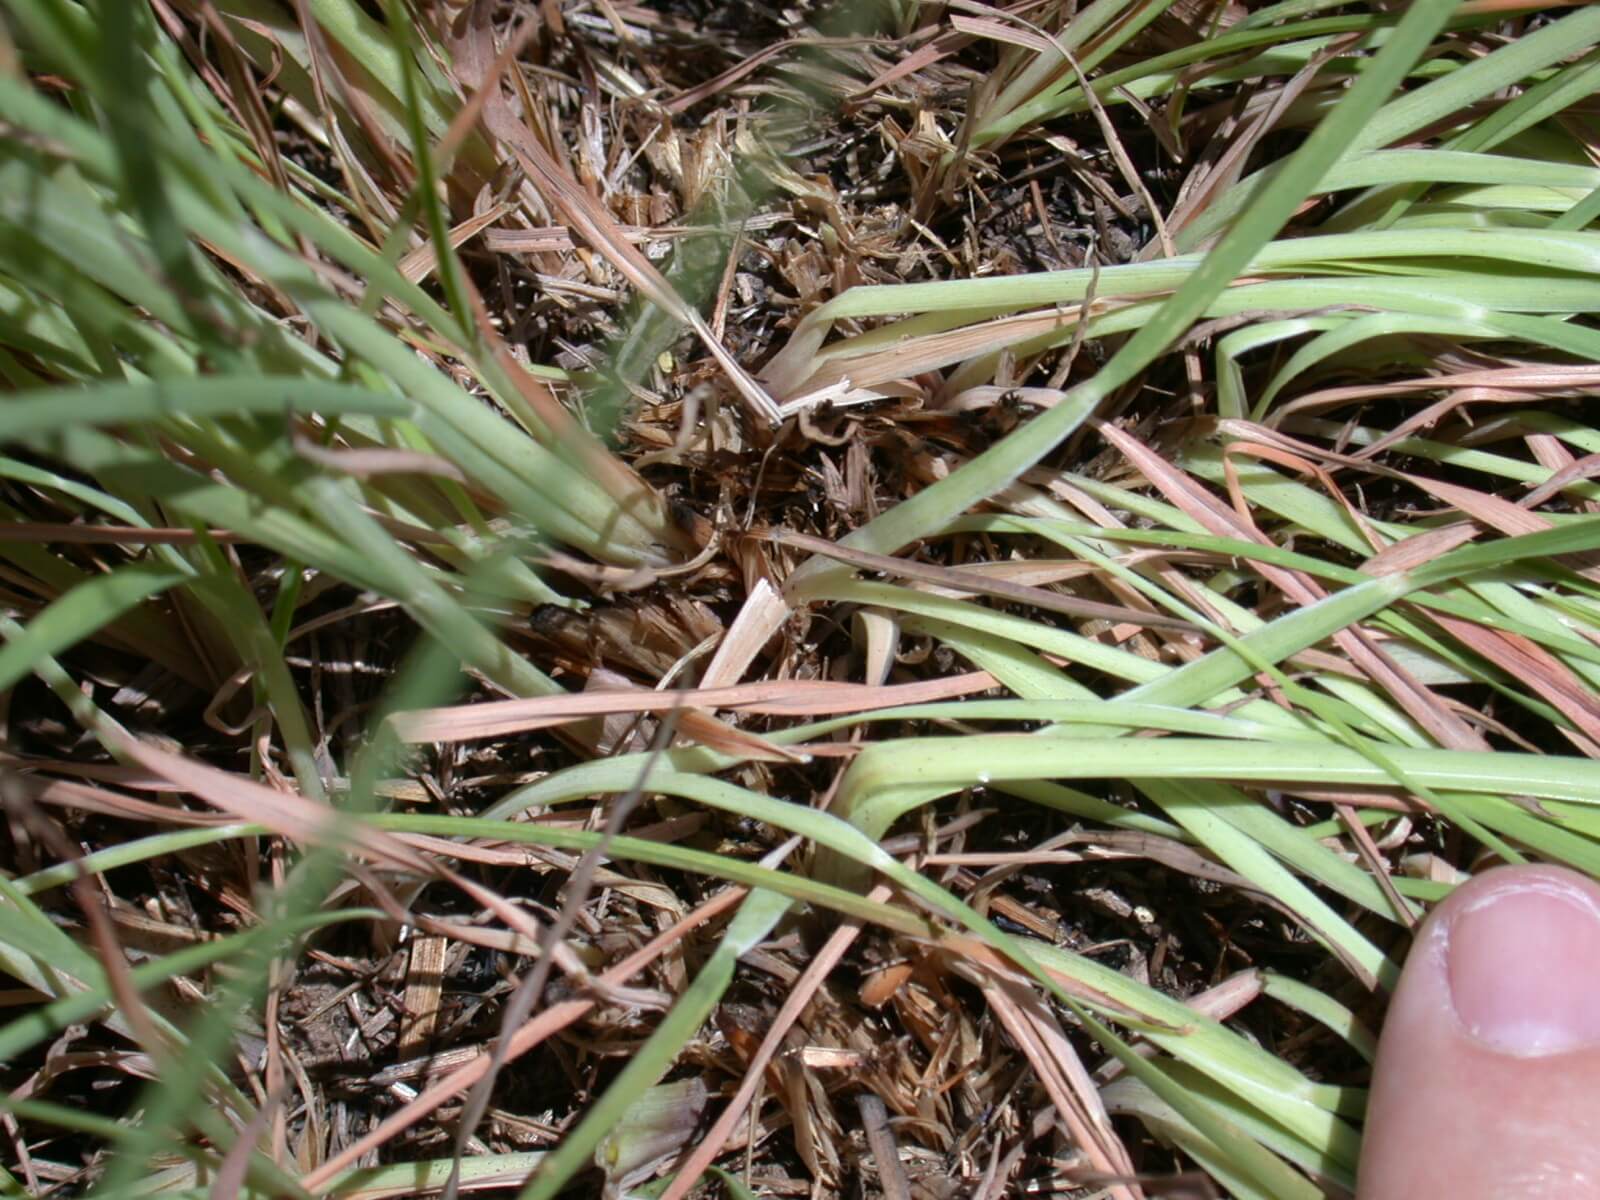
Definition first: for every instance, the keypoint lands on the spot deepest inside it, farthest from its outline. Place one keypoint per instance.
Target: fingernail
(1524, 967)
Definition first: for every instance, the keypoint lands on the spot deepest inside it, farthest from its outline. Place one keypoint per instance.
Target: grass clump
(904, 599)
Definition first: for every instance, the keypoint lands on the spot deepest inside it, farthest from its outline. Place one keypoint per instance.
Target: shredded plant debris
(883, 598)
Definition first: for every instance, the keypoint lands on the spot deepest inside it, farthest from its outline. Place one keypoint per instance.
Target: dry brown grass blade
(1490, 510)
(1295, 463)
(1587, 467)
(541, 1026)
(1227, 999)
(941, 46)
(309, 823)
(799, 698)
(1376, 865)
(363, 191)
(1500, 515)
(544, 239)
(1424, 547)
(996, 30)
(523, 855)
(880, 1138)
(858, 378)
(65, 794)
(622, 483)
(1061, 1072)
(687, 99)
(1112, 140)
(1496, 385)
(129, 1002)
(370, 462)
(800, 995)
(469, 114)
(1516, 6)
(1417, 701)
(761, 615)
(285, 813)
(1100, 846)
(1214, 175)
(235, 1164)
(586, 216)
(978, 584)
(108, 535)
(1530, 664)
(418, 264)
(239, 93)
(703, 727)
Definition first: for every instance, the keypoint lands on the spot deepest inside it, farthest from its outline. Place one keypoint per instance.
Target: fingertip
(1522, 955)
(1488, 1074)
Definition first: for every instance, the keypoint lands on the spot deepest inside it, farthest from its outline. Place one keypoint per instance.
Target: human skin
(1487, 1082)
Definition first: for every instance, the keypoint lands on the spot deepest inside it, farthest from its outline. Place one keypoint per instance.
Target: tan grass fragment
(886, 1155)
(760, 616)
(799, 698)
(424, 260)
(424, 989)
